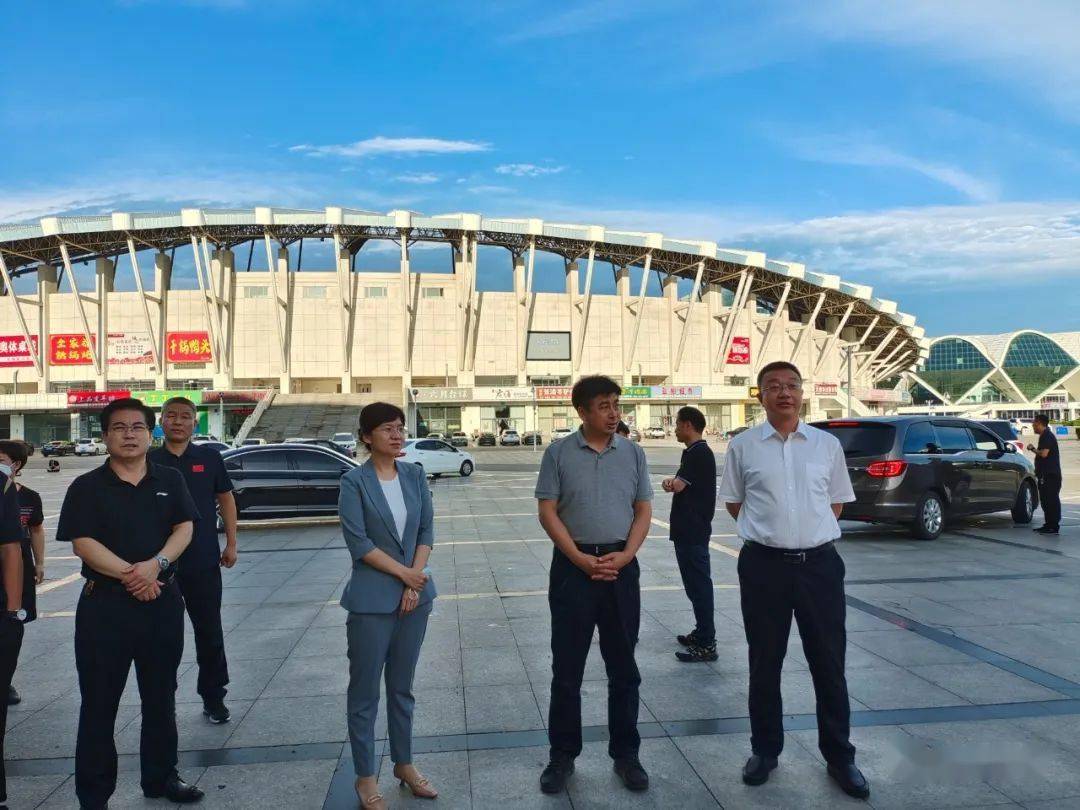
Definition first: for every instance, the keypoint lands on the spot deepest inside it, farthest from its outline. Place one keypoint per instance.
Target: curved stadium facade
(1009, 375)
(295, 350)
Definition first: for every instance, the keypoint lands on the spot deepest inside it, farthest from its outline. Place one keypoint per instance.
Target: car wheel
(1024, 508)
(929, 517)
(466, 469)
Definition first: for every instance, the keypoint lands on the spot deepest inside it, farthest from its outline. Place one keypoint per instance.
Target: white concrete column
(670, 288)
(714, 304)
(282, 269)
(626, 320)
(162, 285)
(344, 276)
(18, 426)
(573, 290)
(104, 281)
(74, 425)
(222, 283)
(521, 314)
(46, 287)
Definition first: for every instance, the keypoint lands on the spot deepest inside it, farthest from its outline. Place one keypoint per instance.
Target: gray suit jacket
(367, 524)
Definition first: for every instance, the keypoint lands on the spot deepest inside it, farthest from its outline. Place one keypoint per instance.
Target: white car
(298, 440)
(203, 439)
(346, 440)
(436, 457)
(560, 433)
(655, 432)
(510, 438)
(89, 447)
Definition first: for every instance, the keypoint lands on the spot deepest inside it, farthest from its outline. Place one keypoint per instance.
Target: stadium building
(1011, 376)
(92, 314)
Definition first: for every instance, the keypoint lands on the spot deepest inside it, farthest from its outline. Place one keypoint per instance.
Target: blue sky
(929, 149)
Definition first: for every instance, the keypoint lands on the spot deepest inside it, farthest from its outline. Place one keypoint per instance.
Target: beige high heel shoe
(420, 786)
(373, 802)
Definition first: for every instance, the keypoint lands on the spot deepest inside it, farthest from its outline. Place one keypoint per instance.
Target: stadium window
(256, 292)
(375, 292)
(315, 292)
(433, 292)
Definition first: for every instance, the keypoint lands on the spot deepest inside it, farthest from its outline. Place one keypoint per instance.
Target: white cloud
(490, 189)
(418, 178)
(563, 21)
(527, 169)
(864, 151)
(380, 145)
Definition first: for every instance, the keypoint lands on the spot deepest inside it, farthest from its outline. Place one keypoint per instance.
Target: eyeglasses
(391, 430)
(787, 388)
(120, 427)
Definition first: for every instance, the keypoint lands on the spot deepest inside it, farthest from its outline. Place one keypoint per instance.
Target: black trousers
(1050, 498)
(578, 604)
(113, 629)
(772, 590)
(202, 595)
(695, 569)
(11, 637)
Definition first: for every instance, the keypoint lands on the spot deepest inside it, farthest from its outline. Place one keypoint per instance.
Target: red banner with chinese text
(14, 351)
(739, 353)
(94, 399)
(70, 350)
(187, 347)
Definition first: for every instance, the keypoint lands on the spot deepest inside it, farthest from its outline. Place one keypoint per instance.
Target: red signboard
(825, 389)
(187, 347)
(15, 352)
(94, 399)
(70, 350)
(553, 392)
(739, 353)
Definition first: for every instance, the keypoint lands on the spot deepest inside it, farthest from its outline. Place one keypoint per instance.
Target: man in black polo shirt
(12, 614)
(199, 572)
(129, 521)
(1048, 471)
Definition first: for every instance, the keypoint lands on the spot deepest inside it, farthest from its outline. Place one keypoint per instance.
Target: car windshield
(861, 438)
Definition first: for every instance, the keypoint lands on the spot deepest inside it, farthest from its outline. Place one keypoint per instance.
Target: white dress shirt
(786, 488)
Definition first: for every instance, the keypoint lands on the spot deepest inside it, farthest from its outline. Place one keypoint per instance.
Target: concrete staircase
(311, 416)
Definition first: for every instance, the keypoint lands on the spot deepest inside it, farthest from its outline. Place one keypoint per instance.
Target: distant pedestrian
(595, 503)
(785, 483)
(388, 524)
(623, 430)
(1048, 472)
(13, 454)
(692, 510)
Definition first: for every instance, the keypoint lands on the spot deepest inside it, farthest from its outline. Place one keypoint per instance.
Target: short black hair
(623, 428)
(375, 414)
(16, 450)
(589, 388)
(127, 404)
(692, 415)
(777, 365)
(179, 401)
(1043, 419)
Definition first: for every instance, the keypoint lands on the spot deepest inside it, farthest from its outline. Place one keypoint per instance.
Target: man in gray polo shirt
(595, 503)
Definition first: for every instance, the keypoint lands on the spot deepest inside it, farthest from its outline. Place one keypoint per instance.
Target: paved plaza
(963, 669)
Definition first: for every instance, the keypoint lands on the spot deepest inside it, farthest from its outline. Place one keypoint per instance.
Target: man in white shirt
(785, 483)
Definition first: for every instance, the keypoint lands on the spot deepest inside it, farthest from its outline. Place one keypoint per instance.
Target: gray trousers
(378, 640)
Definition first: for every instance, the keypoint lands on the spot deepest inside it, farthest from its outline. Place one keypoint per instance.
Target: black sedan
(532, 438)
(286, 480)
(330, 445)
(57, 448)
(486, 440)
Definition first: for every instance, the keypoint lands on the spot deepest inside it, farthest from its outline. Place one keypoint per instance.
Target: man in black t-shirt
(129, 521)
(1048, 471)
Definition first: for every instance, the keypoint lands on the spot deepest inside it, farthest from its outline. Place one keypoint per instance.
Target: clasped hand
(673, 485)
(141, 582)
(606, 568)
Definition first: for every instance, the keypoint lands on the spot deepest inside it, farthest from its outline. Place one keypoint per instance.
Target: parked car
(655, 432)
(221, 447)
(731, 434)
(1006, 432)
(346, 440)
(635, 434)
(510, 438)
(486, 440)
(285, 480)
(560, 433)
(298, 440)
(206, 438)
(60, 447)
(251, 442)
(436, 436)
(89, 447)
(923, 471)
(532, 438)
(437, 457)
(459, 439)
(331, 445)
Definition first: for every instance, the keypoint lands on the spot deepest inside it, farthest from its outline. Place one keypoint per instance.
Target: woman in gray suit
(386, 517)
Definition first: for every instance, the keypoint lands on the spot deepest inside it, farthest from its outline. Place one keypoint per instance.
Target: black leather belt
(600, 550)
(789, 554)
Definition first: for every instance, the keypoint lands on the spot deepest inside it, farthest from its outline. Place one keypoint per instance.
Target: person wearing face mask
(13, 455)
(12, 614)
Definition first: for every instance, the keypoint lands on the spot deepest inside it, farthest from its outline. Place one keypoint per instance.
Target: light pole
(847, 350)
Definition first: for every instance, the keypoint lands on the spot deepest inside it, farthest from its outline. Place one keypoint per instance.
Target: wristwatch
(18, 615)
(163, 562)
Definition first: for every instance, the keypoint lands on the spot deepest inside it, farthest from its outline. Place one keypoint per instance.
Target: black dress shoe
(13, 698)
(217, 713)
(851, 780)
(632, 774)
(757, 768)
(1046, 530)
(176, 790)
(687, 640)
(556, 774)
(697, 652)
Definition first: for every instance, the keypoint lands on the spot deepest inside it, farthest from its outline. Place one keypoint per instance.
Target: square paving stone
(247, 679)
(322, 641)
(31, 791)
(276, 617)
(438, 712)
(295, 785)
(195, 732)
(309, 675)
(128, 794)
(511, 778)
(448, 773)
(906, 649)
(291, 721)
(501, 708)
(492, 666)
(982, 683)
(893, 687)
(248, 645)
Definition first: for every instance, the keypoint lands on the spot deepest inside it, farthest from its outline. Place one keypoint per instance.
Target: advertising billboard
(187, 347)
(548, 346)
(15, 352)
(739, 352)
